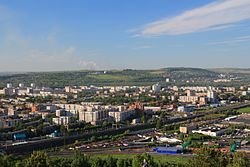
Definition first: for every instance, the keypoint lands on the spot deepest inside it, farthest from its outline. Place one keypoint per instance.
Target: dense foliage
(205, 158)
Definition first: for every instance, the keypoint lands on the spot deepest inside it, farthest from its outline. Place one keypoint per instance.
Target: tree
(120, 163)
(158, 124)
(240, 159)
(181, 136)
(137, 161)
(29, 131)
(6, 161)
(105, 123)
(148, 159)
(20, 125)
(39, 129)
(141, 160)
(143, 119)
(38, 159)
(60, 162)
(62, 129)
(110, 162)
(128, 162)
(80, 160)
(96, 162)
(93, 138)
(207, 158)
(19, 164)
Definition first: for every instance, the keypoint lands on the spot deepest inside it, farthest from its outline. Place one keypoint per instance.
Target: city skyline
(62, 35)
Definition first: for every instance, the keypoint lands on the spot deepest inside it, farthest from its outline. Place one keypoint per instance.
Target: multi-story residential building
(94, 115)
(69, 107)
(245, 93)
(11, 111)
(121, 115)
(188, 99)
(156, 88)
(211, 94)
(9, 85)
(62, 120)
(203, 100)
(8, 122)
(187, 129)
(196, 88)
(21, 91)
(190, 92)
(9, 91)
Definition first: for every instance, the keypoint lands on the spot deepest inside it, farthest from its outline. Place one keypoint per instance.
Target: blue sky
(46, 35)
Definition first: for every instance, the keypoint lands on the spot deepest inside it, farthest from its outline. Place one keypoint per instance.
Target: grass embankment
(114, 78)
(213, 116)
(243, 110)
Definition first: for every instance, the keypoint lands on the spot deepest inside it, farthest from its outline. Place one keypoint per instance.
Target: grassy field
(159, 72)
(109, 77)
(159, 158)
(244, 110)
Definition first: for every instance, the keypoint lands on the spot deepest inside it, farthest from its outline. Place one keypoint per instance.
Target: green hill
(115, 77)
(232, 70)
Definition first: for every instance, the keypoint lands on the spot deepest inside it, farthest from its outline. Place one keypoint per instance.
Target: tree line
(205, 157)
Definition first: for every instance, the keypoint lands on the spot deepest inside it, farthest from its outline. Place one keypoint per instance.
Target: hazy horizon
(18, 72)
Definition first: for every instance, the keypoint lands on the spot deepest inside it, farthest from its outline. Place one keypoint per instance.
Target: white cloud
(39, 59)
(70, 50)
(245, 37)
(143, 47)
(232, 41)
(218, 15)
(87, 64)
(66, 59)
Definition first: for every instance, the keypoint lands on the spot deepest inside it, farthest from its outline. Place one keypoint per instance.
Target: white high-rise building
(211, 94)
(9, 85)
(33, 85)
(190, 92)
(21, 85)
(156, 88)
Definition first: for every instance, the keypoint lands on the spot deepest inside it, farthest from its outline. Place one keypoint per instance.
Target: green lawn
(159, 158)
(244, 110)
